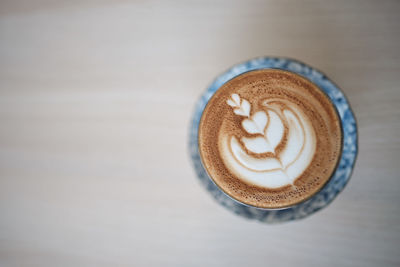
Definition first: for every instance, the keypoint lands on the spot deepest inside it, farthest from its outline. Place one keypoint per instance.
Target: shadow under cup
(340, 176)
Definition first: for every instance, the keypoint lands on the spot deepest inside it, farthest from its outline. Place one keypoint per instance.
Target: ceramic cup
(339, 178)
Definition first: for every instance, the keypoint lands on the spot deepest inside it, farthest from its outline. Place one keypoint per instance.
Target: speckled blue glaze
(342, 173)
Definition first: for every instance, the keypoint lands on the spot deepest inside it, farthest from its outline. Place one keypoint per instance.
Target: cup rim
(297, 202)
(349, 148)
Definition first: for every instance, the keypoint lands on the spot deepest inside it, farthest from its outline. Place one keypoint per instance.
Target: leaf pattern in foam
(275, 129)
(295, 141)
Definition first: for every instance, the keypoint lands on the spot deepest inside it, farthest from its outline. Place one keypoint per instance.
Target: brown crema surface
(257, 87)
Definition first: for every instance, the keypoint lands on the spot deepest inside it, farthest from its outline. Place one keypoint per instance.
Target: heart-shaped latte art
(256, 123)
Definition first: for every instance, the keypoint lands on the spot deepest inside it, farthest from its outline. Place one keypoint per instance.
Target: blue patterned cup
(339, 178)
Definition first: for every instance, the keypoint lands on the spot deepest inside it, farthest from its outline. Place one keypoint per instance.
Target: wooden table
(95, 103)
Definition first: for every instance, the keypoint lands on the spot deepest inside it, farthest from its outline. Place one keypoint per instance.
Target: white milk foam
(278, 120)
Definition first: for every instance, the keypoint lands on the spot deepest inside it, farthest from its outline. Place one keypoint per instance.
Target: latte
(270, 138)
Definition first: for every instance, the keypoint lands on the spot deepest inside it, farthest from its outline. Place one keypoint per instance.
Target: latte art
(279, 123)
(270, 138)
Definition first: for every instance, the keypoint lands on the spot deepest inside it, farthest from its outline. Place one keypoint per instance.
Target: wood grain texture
(95, 103)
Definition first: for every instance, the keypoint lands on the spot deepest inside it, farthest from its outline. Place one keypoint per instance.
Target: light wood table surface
(95, 103)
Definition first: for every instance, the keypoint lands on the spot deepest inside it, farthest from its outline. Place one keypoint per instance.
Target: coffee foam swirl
(270, 138)
(279, 123)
